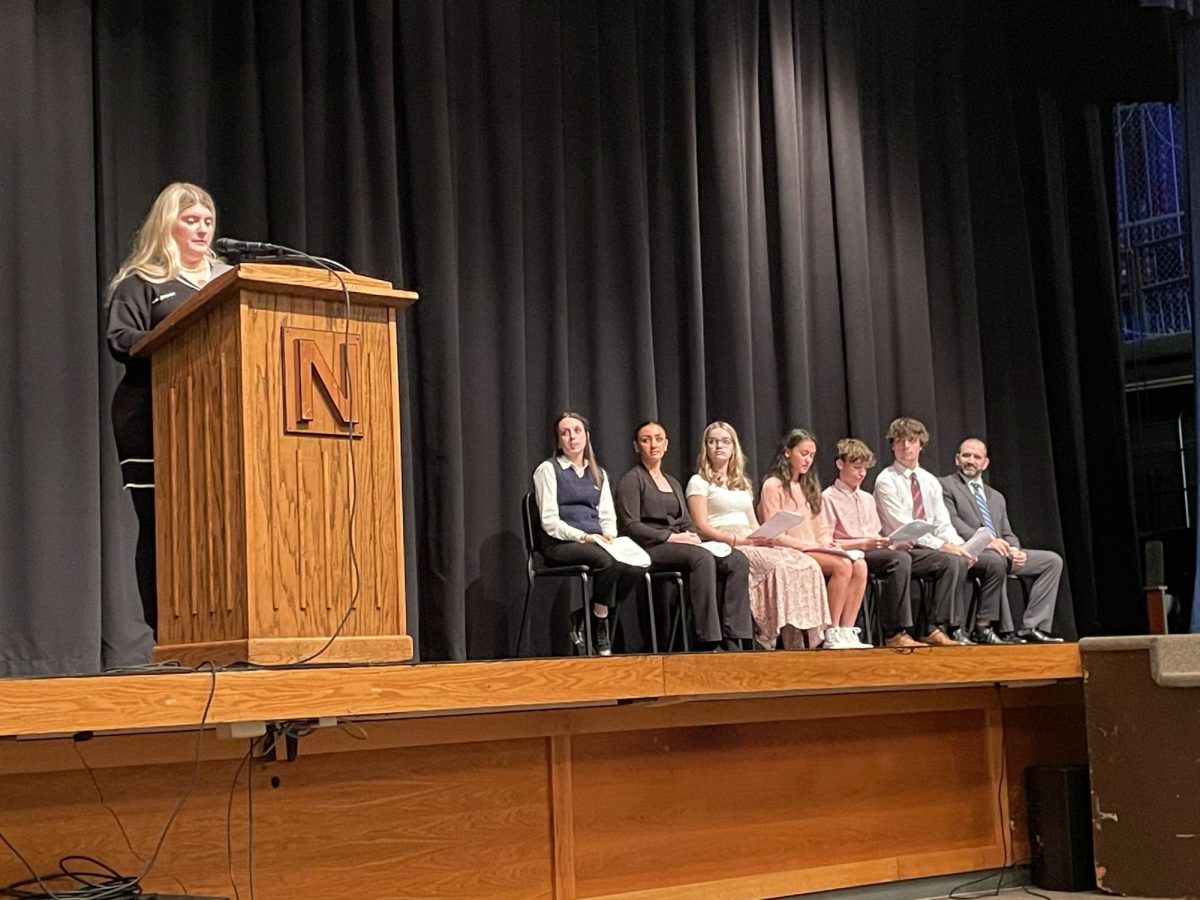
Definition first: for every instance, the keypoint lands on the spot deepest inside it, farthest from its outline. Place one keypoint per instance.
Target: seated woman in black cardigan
(576, 509)
(651, 510)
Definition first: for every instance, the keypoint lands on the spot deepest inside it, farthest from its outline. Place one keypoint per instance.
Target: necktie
(981, 505)
(918, 502)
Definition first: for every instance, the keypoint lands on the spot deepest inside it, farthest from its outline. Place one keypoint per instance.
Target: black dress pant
(718, 589)
(612, 582)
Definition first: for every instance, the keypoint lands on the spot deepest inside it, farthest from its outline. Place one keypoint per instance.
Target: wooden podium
(256, 392)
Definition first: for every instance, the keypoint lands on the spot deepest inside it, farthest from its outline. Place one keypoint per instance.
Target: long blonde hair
(735, 474)
(155, 255)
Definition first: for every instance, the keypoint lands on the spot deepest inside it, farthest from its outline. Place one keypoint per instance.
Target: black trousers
(718, 589)
(613, 582)
(133, 427)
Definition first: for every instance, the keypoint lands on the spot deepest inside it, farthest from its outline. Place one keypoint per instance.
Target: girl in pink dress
(787, 589)
(792, 484)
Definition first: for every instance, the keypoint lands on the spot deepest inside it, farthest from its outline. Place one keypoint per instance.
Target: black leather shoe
(1011, 637)
(732, 645)
(600, 635)
(986, 635)
(960, 636)
(1037, 636)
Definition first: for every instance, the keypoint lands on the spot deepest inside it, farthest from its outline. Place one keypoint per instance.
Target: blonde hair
(735, 474)
(155, 255)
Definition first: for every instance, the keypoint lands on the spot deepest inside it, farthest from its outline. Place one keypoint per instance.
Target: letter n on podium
(322, 390)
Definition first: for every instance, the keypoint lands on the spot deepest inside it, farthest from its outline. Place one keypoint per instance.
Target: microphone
(226, 246)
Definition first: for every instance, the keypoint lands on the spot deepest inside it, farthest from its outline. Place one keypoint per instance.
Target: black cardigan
(634, 489)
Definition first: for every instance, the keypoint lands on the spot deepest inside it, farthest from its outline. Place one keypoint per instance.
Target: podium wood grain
(265, 538)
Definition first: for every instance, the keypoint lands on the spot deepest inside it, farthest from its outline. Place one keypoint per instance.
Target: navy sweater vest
(578, 499)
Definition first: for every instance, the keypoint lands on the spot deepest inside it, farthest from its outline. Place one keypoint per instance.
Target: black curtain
(775, 212)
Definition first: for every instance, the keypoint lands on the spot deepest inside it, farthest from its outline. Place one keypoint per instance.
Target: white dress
(787, 587)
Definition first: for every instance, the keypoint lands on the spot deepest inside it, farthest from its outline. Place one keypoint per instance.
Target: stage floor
(168, 699)
(714, 775)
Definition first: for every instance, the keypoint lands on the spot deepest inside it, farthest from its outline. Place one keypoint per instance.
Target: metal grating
(1152, 228)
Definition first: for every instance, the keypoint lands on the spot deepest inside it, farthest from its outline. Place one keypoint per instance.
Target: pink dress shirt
(852, 511)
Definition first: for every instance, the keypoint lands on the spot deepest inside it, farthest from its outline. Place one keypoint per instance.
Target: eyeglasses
(720, 442)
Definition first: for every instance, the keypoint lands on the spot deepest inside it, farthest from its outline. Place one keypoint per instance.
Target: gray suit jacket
(964, 515)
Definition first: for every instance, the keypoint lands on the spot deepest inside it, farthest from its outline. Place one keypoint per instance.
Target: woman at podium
(171, 259)
(575, 506)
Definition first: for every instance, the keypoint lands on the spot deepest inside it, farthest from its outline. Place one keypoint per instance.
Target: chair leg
(523, 634)
(588, 647)
(685, 625)
(650, 612)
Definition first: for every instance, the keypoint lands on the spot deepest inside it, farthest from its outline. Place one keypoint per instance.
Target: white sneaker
(852, 638)
(835, 639)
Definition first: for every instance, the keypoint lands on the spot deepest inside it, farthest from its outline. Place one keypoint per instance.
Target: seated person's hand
(684, 537)
(958, 550)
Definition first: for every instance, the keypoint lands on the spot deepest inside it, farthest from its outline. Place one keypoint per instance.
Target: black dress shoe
(1037, 636)
(731, 644)
(986, 635)
(960, 636)
(1011, 637)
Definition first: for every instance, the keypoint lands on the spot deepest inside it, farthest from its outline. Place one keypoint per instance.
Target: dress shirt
(893, 500)
(852, 512)
(545, 489)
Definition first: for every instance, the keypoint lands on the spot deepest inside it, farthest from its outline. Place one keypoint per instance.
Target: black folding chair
(679, 622)
(868, 613)
(536, 567)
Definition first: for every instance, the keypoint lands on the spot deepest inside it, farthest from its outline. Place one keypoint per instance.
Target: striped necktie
(981, 505)
(918, 501)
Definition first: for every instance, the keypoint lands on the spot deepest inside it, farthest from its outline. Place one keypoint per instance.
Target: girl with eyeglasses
(787, 588)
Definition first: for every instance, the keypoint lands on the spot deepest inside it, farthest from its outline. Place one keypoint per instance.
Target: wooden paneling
(693, 805)
(199, 483)
(469, 821)
(301, 489)
(750, 796)
(1046, 727)
(266, 537)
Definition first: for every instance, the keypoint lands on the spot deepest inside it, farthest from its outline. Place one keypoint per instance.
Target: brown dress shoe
(901, 641)
(939, 638)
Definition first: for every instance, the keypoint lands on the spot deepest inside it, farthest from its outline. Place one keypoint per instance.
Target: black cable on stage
(355, 572)
(107, 884)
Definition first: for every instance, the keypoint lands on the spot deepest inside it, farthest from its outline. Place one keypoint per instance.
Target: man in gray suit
(973, 505)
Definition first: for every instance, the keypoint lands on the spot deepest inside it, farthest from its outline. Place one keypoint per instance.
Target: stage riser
(733, 798)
